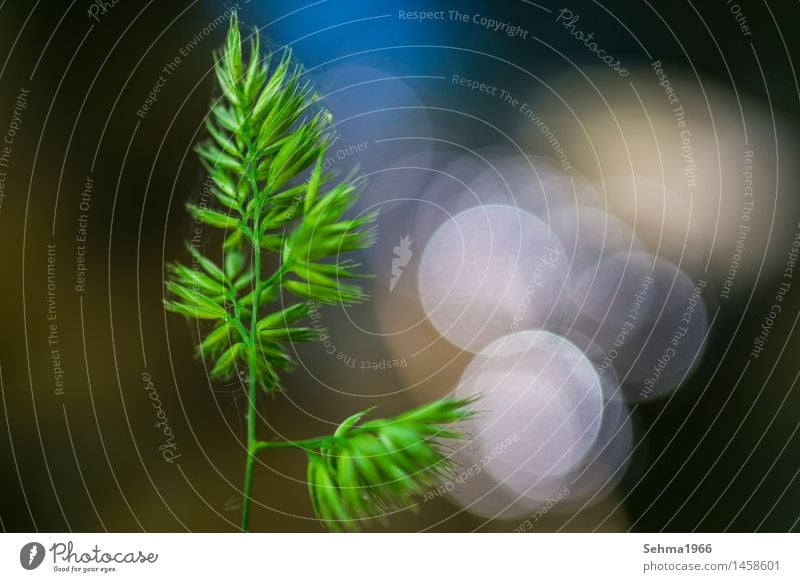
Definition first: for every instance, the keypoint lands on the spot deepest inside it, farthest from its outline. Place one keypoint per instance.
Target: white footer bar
(390, 557)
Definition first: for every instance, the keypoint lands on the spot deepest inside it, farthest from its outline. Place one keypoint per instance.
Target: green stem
(308, 444)
(253, 445)
(312, 444)
(251, 348)
(251, 404)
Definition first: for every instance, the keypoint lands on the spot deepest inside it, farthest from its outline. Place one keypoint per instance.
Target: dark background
(721, 455)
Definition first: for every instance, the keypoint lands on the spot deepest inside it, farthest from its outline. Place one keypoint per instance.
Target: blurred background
(588, 213)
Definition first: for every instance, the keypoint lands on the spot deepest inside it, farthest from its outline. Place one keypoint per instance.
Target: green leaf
(193, 311)
(274, 353)
(189, 277)
(314, 183)
(341, 294)
(225, 142)
(234, 263)
(196, 299)
(226, 364)
(212, 217)
(291, 334)
(233, 242)
(271, 90)
(222, 181)
(365, 470)
(217, 340)
(218, 158)
(233, 52)
(256, 72)
(227, 118)
(350, 421)
(265, 373)
(285, 316)
(207, 264)
(226, 81)
(226, 200)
